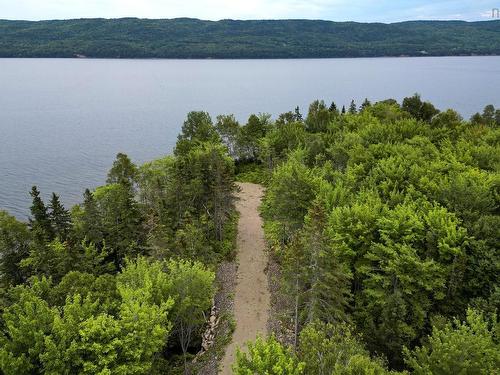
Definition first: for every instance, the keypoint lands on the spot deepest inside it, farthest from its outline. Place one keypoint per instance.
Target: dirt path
(251, 300)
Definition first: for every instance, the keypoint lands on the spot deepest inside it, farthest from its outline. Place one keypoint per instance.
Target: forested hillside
(193, 38)
(384, 219)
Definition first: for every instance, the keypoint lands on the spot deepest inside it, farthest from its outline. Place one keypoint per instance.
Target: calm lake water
(63, 121)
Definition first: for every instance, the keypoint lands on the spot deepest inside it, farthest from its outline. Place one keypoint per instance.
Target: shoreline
(235, 58)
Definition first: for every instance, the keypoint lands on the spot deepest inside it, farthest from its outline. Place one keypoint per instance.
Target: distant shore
(186, 38)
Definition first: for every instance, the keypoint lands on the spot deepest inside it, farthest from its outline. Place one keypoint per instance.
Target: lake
(62, 121)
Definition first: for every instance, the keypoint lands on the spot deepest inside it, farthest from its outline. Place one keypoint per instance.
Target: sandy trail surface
(252, 298)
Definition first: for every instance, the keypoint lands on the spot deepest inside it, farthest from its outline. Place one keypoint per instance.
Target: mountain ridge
(194, 38)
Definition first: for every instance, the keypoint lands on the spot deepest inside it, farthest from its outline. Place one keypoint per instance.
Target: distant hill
(193, 38)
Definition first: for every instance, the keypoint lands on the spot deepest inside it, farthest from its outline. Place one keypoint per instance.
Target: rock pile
(208, 338)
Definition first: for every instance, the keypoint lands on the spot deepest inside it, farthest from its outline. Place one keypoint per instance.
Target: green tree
(123, 171)
(325, 271)
(88, 225)
(27, 323)
(335, 349)
(40, 220)
(366, 104)
(250, 135)
(318, 280)
(191, 285)
(204, 186)
(60, 218)
(51, 259)
(333, 108)
(489, 114)
(144, 317)
(352, 108)
(468, 347)
(228, 129)
(318, 117)
(197, 128)
(15, 240)
(267, 357)
(477, 119)
(288, 199)
(122, 222)
(419, 110)
(297, 116)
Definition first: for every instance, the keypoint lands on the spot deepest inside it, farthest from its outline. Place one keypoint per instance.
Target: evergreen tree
(91, 221)
(121, 221)
(343, 110)
(328, 292)
(333, 108)
(40, 219)
(60, 218)
(352, 108)
(297, 115)
(365, 105)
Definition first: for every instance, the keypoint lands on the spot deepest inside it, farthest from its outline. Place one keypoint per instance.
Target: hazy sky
(337, 10)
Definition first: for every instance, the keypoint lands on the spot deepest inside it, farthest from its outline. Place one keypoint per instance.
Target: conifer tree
(333, 108)
(365, 104)
(352, 108)
(328, 290)
(60, 218)
(297, 115)
(343, 110)
(91, 220)
(40, 220)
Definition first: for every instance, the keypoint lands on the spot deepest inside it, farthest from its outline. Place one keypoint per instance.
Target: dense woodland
(121, 284)
(384, 219)
(193, 38)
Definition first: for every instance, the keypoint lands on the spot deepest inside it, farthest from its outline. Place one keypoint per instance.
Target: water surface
(62, 121)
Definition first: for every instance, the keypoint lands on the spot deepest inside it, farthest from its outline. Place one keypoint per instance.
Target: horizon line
(244, 20)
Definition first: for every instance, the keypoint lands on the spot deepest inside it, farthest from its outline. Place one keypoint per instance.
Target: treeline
(123, 282)
(385, 221)
(193, 38)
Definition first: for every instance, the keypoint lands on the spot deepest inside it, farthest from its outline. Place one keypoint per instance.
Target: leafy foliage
(469, 347)
(386, 218)
(267, 357)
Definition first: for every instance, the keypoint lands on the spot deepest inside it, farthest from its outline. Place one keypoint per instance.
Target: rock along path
(252, 298)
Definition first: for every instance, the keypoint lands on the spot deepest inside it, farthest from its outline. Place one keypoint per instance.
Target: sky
(335, 10)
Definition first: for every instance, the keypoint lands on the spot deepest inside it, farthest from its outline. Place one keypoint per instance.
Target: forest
(384, 219)
(194, 38)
